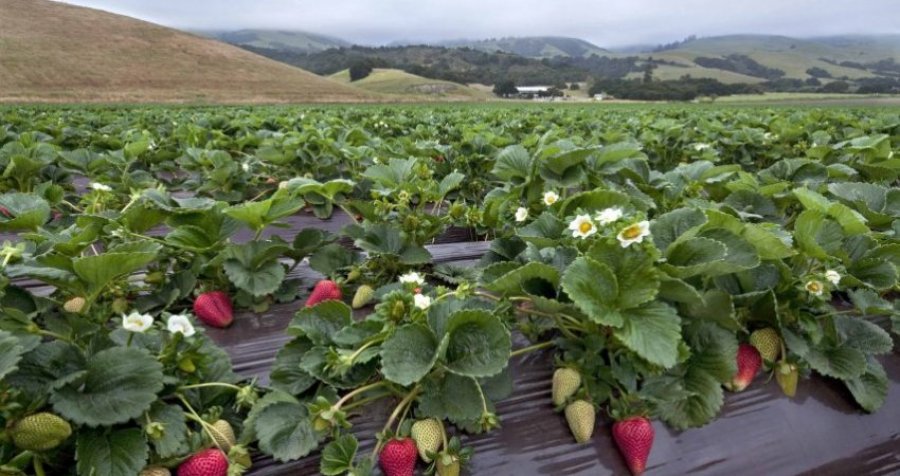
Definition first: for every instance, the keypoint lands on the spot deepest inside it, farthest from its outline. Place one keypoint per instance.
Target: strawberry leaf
(338, 456)
(409, 354)
(285, 432)
(478, 344)
(870, 389)
(102, 452)
(453, 397)
(174, 440)
(653, 332)
(10, 353)
(594, 289)
(118, 384)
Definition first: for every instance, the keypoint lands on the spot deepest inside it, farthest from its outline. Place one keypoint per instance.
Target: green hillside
(295, 41)
(792, 55)
(397, 82)
(534, 46)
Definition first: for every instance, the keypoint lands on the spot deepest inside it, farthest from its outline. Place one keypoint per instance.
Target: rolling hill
(397, 82)
(793, 56)
(533, 46)
(55, 52)
(295, 41)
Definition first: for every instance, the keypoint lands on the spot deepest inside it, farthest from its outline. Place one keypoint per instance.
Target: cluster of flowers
(420, 300)
(140, 323)
(585, 225)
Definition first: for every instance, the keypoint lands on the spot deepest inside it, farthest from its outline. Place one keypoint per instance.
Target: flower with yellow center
(815, 288)
(550, 198)
(582, 226)
(180, 323)
(137, 322)
(634, 233)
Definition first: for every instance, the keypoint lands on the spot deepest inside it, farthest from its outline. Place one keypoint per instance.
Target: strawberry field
(448, 290)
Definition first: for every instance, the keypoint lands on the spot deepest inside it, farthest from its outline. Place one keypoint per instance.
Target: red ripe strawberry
(5, 212)
(325, 290)
(211, 462)
(748, 363)
(634, 437)
(398, 458)
(213, 308)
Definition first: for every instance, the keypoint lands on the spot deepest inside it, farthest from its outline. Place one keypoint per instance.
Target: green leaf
(871, 388)
(700, 407)
(286, 374)
(692, 256)
(322, 321)
(478, 344)
(253, 267)
(510, 283)
(29, 211)
(174, 441)
(102, 452)
(100, 270)
(409, 354)
(713, 350)
(873, 272)
(636, 276)
(863, 335)
(338, 456)
(676, 290)
(513, 164)
(285, 432)
(653, 332)
(331, 258)
(118, 385)
(869, 302)
(10, 353)
(592, 286)
(771, 241)
(816, 235)
(452, 397)
(544, 231)
(667, 228)
(839, 362)
(595, 200)
(450, 182)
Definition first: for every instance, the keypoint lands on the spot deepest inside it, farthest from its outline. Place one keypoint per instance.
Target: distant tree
(816, 72)
(813, 81)
(574, 87)
(505, 88)
(360, 70)
(836, 87)
(648, 72)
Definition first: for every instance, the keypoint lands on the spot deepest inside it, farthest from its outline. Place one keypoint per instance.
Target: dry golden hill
(55, 52)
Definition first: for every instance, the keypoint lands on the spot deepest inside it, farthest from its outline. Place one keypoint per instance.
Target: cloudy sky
(604, 22)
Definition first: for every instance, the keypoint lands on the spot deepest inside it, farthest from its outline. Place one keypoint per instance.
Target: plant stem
(358, 391)
(38, 467)
(364, 401)
(210, 384)
(400, 407)
(531, 348)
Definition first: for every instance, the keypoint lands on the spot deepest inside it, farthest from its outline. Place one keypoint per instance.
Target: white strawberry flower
(412, 278)
(700, 147)
(521, 214)
(179, 323)
(421, 301)
(550, 198)
(100, 187)
(582, 226)
(245, 167)
(609, 215)
(814, 287)
(833, 276)
(634, 234)
(137, 322)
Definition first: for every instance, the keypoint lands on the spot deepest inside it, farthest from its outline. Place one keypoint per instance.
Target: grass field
(54, 52)
(400, 83)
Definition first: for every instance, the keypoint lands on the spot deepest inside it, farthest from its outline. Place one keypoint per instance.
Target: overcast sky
(604, 22)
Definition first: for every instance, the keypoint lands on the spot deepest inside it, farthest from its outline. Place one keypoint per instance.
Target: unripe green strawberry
(787, 375)
(447, 465)
(155, 471)
(119, 305)
(40, 432)
(223, 435)
(767, 342)
(74, 305)
(428, 434)
(565, 383)
(364, 295)
(581, 417)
